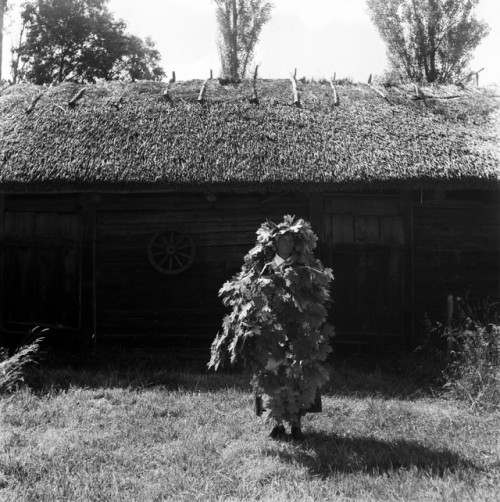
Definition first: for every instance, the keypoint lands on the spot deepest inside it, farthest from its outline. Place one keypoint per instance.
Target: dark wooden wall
(363, 242)
(456, 250)
(81, 261)
(41, 255)
(134, 298)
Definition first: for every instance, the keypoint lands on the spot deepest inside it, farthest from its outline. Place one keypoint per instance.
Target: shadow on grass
(131, 369)
(326, 454)
(121, 367)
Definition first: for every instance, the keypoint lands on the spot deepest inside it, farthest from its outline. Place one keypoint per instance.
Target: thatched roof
(129, 137)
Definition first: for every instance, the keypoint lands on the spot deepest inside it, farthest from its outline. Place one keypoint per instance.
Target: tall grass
(12, 367)
(473, 372)
(465, 352)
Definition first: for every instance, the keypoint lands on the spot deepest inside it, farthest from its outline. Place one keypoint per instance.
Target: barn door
(41, 268)
(364, 246)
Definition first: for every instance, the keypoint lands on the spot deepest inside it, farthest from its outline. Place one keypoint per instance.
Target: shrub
(464, 354)
(473, 372)
(12, 367)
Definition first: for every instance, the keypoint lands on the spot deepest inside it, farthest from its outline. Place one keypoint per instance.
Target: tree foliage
(428, 40)
(80, 40)
(277, 324)
(240, 23)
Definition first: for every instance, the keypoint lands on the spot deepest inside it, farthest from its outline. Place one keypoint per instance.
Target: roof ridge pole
(465, 79)
(201, 97)
(72, 102)
(255, 98)
(33, 103)
(296, 96)
(166, 95)
(336, 101)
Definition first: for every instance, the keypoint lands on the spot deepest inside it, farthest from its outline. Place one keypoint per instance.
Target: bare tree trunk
(3, 7)
(431, 33)
(234, 48)
(16, 59)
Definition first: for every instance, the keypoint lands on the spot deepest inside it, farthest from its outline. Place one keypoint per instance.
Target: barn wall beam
(88, 319)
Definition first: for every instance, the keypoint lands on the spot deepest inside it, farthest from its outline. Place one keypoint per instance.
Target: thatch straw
(150, 143)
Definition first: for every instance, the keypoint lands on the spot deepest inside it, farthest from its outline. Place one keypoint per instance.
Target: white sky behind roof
(318, 37)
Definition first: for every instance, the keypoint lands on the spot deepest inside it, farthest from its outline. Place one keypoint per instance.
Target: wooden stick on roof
(336, 101)
(255, 98)
(119, 102)
(201, 97)
(6, 86)
(419, 94)
(72, 102)
(373, 88)
(33, 103)
(296, 96)
(166, 95)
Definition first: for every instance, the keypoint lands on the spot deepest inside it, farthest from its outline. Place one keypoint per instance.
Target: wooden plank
(363, 205)
(2, 265)
(391, 292)
(343, 314)
(342, 229)
(391, 230)
(42, 203)
(368, 291)
(140, 242)
(367, 230)
(197, 202)
(408, 299)
(158, 223)
(316, 213)
(40, 242)
(88, 266)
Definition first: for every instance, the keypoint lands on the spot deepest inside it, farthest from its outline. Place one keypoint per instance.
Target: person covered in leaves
(277, 324)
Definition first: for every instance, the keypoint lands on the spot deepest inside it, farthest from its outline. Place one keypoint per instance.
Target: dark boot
(297, 433)
(278, 432)
(297, 429)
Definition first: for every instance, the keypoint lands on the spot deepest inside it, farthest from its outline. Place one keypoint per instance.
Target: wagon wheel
(171, 252)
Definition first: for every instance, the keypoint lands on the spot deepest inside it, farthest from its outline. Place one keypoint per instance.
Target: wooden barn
(124, 207)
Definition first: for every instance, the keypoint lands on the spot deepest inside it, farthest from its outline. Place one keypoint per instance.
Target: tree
(240, 23)
(80, 40)
(3, 10)
(140, 61)
(429, 40)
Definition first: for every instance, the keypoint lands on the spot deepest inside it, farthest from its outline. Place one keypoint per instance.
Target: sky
(318, 37)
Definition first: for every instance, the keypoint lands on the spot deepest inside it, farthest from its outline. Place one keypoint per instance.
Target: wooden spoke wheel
(171, 252)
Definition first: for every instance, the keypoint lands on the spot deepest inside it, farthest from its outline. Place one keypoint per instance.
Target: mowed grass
(152, 432)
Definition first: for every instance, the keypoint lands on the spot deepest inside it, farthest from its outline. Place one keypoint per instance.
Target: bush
(464, 353)
(473, 372)
(12, 367)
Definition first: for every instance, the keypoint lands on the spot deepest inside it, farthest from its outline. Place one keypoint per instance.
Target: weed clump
(473, 370)
(12, 366)
(467, 352)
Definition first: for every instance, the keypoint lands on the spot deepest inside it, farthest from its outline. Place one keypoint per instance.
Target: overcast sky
(318, 37)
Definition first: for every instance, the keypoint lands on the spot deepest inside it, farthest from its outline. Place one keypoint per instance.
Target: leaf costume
(277, 324)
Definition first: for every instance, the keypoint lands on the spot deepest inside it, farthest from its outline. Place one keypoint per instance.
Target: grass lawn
(143, 431)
